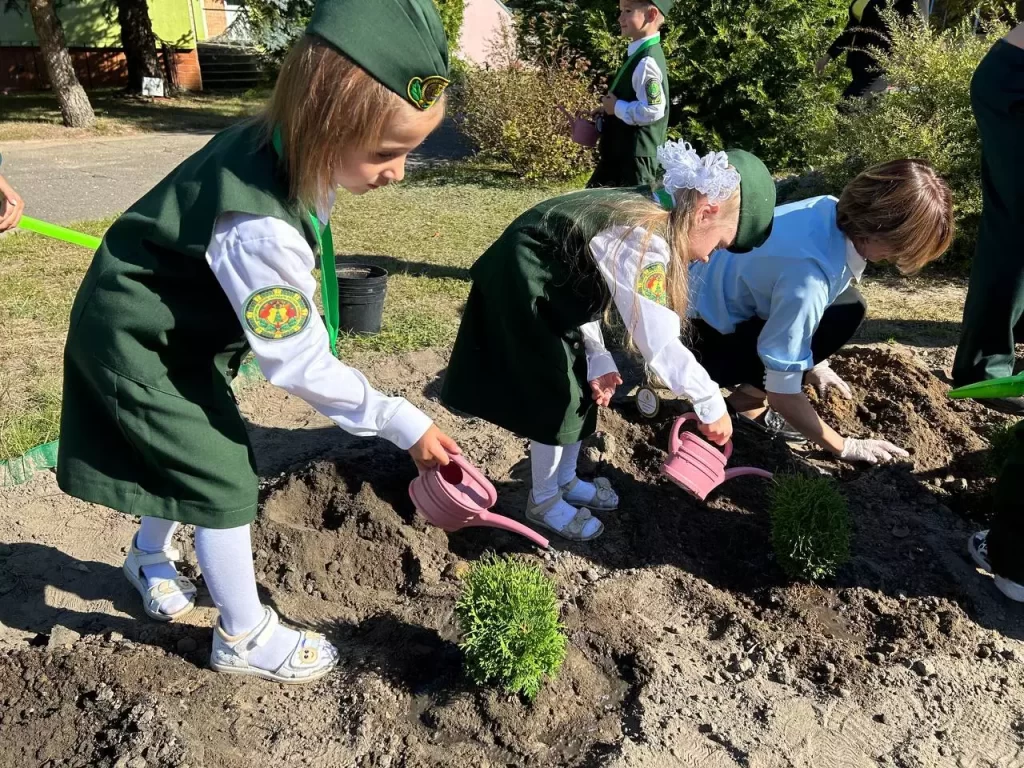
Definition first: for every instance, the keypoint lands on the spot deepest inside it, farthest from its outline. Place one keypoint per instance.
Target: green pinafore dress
(149, 424)
(519, 360)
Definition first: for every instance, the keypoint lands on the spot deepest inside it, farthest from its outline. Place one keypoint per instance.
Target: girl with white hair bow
(529, 355)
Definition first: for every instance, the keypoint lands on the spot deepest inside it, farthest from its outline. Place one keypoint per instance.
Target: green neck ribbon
(328, 266)
(629, 62)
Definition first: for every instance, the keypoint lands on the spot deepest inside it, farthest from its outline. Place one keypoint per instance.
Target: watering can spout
(740, 471)
(491, 520)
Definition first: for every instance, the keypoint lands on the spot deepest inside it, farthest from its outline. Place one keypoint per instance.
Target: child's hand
(608, 103)
(718, 432)
(433, 448)
(603, 387)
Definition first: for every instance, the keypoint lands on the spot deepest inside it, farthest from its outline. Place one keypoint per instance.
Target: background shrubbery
(741, 74)
(509, 112)
(926, 114)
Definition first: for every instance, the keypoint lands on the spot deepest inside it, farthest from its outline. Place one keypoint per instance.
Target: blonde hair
(641, 212)
(324, 103)
(903, 205)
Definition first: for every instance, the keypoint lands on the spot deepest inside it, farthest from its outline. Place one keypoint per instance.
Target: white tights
(552, 467)
(225, 558)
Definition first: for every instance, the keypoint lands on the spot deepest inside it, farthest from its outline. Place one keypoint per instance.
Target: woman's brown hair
(905, 207)
(324, 102)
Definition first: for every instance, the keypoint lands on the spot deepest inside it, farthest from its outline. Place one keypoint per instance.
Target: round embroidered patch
(651, 283)
(276, 312)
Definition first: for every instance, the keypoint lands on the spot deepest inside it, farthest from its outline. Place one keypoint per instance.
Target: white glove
(821, 377)
(871, 451)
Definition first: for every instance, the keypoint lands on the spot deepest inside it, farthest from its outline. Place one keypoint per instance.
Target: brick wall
(216, 15)
(22, 68)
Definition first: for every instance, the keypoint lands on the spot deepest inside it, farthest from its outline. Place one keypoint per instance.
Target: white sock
(225, 557)
(545, 463)
(583, 491)
(156, 535)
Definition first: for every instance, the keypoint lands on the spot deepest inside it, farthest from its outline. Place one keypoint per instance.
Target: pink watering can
(697, 466)
(458, 496)
(584, 132)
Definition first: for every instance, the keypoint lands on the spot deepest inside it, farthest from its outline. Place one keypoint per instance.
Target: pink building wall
(480, 26)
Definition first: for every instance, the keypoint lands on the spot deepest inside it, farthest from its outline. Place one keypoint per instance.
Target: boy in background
(635, 109)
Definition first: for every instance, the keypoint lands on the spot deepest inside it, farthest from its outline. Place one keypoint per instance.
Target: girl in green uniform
(214, 261)
(529, 356)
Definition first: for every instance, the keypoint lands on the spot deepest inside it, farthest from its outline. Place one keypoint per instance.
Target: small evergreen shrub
(810, 526)
(509, 112)
(1000, 442)
(511, 633)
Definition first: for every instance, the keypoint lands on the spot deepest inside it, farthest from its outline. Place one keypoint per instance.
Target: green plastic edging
(21, 468)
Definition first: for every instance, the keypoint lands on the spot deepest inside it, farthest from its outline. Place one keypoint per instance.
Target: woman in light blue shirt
(765, 323)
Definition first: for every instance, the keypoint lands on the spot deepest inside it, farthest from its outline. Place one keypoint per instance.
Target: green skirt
(510, 367)
(146, 452)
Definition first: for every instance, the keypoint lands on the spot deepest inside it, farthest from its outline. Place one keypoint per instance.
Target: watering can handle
(674, 442)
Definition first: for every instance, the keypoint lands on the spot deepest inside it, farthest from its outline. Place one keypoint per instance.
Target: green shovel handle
(1008, 386)
(59, 233)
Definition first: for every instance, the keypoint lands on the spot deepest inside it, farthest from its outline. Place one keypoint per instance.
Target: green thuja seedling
(1000, 441)
(810, 526)
(511, 633)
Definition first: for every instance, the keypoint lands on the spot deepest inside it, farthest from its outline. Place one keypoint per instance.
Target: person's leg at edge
(225, 557)
(1005, 539)
(546, 467)
(995, 295)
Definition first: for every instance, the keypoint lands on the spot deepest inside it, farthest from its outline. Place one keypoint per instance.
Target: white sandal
(312, 658)
(604, 499)
(153, 596)
(573, 530)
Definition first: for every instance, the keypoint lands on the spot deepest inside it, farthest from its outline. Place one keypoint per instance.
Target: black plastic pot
(361, 292)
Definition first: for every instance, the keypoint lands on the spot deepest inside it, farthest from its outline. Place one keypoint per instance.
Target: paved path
(94, 178)
(64, 182)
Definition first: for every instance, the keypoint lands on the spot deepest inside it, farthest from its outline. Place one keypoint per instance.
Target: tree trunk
(74, 104)
(138, 41)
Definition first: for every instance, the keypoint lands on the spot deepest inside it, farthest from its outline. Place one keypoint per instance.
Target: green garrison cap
(757, 201)
(401, 43)
(664, 5)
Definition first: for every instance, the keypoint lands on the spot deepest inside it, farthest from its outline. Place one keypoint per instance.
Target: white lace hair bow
(685, 169)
